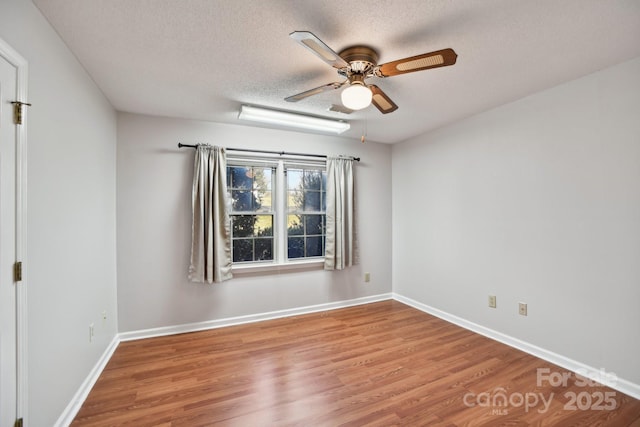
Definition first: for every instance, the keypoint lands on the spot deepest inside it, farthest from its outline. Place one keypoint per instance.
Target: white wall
(70, 262)
(536, 201)
(154, 226)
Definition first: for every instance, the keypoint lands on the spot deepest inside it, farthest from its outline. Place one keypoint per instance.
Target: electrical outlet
(492, 301)
(522, 308)
(104, 316)
(91, 332)
(367, 277)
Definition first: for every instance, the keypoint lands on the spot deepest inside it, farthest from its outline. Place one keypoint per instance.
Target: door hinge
(17, 271)
(18, 423)
(17, 111)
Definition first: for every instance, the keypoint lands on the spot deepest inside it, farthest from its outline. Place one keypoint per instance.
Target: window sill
(256, 269)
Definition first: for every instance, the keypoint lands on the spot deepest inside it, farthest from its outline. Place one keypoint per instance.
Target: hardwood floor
(378, 364)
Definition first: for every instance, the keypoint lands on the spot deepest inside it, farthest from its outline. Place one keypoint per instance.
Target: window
(306, 198)
(252, 215)
(277, 210)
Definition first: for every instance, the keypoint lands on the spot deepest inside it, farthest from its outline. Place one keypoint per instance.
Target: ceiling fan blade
(439, 58)
(337, 108)
(315, 91)
(317, 46)
(382, 101)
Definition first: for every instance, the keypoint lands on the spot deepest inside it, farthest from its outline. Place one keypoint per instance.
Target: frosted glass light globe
(356, 97)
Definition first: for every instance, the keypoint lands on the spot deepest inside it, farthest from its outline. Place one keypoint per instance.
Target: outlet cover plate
(522, 308)
(492, 301)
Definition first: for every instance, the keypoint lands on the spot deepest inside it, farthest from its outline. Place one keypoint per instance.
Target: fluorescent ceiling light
(300, 121)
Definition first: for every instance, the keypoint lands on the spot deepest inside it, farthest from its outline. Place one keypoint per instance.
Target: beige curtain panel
(340, 237)
(211, 234)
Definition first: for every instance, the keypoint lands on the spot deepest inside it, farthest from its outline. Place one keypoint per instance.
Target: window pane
(242, 225)
(312, 180)
(263, 200)
(312, 201)
(267, 179)
(242, 200)
(250, 188)
(262, 186)
(294, 179)
(240, 177)
(314, 246)
(313, 224)
(294, 225)
(242, 250)
(295, 247)
(252, 225)
(264, 249)
(263, 225)
(295, 201)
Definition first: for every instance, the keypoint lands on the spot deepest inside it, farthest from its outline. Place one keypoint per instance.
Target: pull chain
(364, 128)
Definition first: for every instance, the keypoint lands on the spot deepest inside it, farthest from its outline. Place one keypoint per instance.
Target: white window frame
(280, 212)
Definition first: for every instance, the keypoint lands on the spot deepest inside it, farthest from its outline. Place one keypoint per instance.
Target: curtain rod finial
(181, 145)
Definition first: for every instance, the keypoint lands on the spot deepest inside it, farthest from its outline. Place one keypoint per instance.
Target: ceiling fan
(358, 63)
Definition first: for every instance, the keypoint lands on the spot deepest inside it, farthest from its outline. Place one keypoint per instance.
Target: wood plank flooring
(379, 364)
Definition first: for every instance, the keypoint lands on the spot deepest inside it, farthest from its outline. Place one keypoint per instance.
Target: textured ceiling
(202, 59)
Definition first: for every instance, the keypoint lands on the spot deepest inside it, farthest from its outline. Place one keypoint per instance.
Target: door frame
(22, 75)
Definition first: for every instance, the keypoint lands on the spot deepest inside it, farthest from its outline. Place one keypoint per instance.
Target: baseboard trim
(251, 318)
(73, 407)
(621, 385)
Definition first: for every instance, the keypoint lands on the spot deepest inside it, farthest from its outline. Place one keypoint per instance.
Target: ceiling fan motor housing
(361, 59)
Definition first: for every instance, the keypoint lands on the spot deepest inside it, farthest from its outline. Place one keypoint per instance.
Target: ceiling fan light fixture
(357, 96)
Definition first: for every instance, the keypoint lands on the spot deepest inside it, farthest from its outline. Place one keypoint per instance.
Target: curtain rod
(281, 153)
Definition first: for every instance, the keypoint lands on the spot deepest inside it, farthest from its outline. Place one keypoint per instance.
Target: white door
(8, 302)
